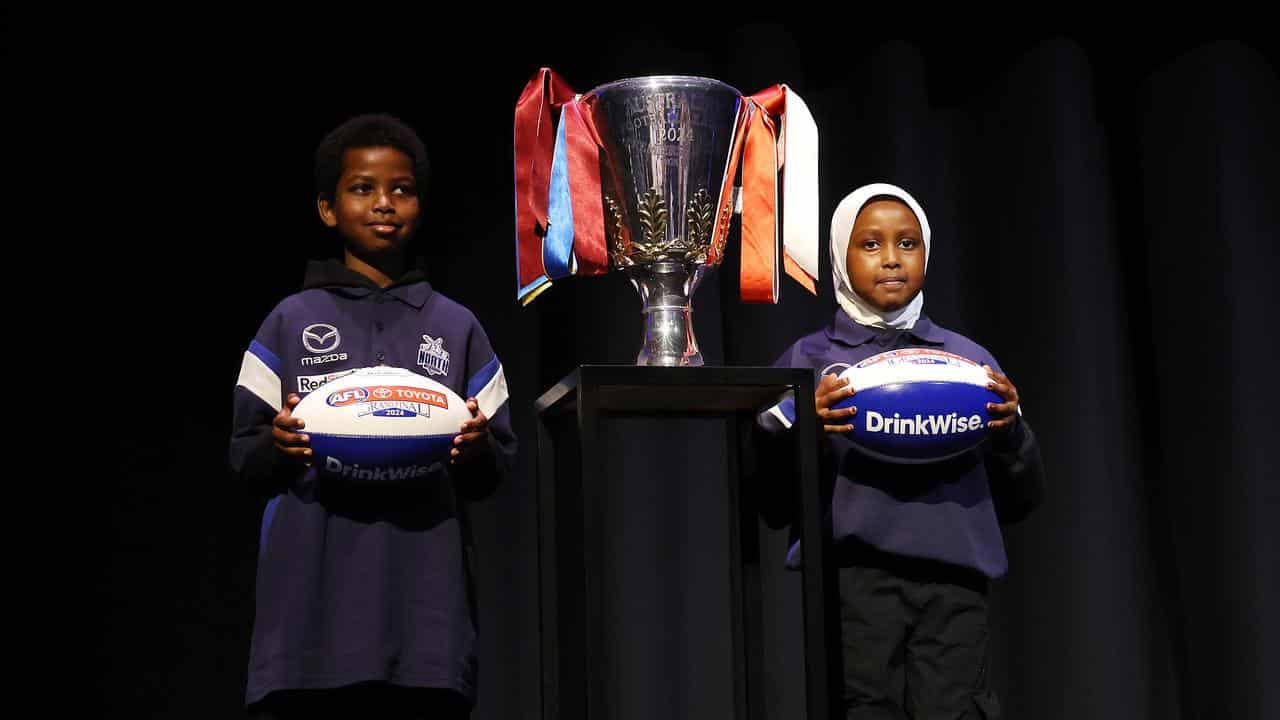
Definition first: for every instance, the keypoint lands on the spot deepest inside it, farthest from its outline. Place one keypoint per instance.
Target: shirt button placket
(381, 355)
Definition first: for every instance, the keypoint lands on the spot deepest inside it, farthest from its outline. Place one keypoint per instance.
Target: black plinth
(571, 468)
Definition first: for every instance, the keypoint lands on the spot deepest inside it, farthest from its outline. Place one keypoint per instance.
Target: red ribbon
(535, 137)
(583, 150)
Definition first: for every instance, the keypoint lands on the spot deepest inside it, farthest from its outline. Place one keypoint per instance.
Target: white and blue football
(918, 404)
(381, 424)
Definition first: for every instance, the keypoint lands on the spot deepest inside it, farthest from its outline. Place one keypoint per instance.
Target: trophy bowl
(667, 171)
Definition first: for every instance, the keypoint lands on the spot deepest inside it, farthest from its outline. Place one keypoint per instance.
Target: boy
(916, 544)
(364, 604)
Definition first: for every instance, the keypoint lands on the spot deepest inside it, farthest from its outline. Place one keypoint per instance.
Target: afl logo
(320, 338)
(350, 396)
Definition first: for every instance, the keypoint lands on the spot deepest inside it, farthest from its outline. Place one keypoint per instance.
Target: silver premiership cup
(667, 180)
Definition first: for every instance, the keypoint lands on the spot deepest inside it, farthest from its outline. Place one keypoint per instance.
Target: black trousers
(914, 635)
(373, 701)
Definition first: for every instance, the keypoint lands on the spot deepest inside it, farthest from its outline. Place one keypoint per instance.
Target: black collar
(410, 288)
(847, 332)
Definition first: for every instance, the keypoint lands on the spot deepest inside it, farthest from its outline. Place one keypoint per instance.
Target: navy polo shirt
(942, 511)
(364, 582)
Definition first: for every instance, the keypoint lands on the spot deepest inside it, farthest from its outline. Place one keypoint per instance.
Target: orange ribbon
(758, 275)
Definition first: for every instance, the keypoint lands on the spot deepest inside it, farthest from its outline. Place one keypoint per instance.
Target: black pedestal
(571, 470)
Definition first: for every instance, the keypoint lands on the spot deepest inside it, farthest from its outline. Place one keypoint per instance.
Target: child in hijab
(916, 544)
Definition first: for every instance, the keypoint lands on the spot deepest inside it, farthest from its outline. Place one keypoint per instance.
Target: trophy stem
(665, 291)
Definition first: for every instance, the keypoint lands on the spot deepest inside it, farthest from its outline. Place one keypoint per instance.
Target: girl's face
(885, 260)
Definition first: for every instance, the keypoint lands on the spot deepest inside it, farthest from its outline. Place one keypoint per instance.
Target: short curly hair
(367, 131)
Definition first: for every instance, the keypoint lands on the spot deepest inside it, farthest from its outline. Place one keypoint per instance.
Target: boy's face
(886, 255)
(375, 205)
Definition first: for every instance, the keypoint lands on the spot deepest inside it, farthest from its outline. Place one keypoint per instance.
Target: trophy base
(665, 289)
(692, 360)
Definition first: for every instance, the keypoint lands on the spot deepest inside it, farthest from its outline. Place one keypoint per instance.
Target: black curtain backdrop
(1104, 217)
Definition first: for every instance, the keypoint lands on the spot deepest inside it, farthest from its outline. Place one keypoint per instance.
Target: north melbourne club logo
(432, 356)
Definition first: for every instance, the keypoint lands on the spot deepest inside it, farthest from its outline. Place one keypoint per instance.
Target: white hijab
(841, 226)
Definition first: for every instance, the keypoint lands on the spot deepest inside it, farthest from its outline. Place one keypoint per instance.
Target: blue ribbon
(557, 246)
